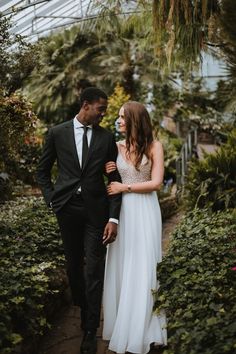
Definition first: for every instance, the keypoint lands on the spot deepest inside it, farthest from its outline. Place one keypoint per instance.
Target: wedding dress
(130, 273)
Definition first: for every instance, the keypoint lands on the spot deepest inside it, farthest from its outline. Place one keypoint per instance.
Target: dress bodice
(128, 172)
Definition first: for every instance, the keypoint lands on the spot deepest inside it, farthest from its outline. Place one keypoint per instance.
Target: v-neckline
(123, 158)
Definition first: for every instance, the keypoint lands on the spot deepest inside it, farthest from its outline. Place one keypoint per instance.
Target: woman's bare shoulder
(156, 145)
(156, 150)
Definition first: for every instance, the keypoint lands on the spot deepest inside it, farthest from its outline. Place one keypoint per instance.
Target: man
(87, 217)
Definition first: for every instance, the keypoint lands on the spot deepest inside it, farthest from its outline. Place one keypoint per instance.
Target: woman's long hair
(139, 135)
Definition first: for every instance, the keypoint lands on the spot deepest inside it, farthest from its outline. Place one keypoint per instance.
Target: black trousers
(85, 257)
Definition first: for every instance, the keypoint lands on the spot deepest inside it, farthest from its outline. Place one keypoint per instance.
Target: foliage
(197, 106)
(25, 167)
(31, 252)
(63, 71)
(168, 203)
(115, 101)
(198, 286)
(29, 153)
(5, 186)
(17, 122)
(163, 100)
(17, 128)
(172, 146)
(226, 90)
(182, 28)
(212, 181)
(80, 56)
(119, 49)
(17, 58)
(175, 31)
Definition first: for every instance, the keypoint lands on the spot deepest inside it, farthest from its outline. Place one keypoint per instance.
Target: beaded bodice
(128, 172)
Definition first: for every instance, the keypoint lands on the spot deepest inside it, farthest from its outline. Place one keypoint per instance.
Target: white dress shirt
(78, 132)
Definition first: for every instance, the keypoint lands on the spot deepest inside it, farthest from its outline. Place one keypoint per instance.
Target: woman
(130, 276)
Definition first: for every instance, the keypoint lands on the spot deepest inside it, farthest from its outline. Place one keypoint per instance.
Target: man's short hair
(91, 94)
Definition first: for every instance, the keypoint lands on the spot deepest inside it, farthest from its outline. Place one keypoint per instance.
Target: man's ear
(85, 105)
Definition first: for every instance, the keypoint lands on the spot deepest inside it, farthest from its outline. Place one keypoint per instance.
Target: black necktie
(84, 146)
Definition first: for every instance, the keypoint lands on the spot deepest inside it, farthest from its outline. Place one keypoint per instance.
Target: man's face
(95, 111)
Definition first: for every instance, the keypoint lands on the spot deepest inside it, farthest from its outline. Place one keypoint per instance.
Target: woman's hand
(115, 188)
(110, 166)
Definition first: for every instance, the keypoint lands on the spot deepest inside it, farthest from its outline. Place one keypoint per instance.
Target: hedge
(30, 276)
(198, 284)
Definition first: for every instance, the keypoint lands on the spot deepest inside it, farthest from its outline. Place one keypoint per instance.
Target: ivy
(198, 284)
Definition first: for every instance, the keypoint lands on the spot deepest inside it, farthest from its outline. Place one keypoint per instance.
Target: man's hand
(110, 232)
(110, 166)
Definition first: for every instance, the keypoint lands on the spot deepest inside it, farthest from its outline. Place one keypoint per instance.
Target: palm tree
(183, 28)
(115, 48)
(78, 57)
(66, 65)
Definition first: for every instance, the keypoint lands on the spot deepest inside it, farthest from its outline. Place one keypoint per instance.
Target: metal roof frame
(36, 18)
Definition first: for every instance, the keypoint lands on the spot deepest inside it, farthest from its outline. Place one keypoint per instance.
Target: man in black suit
(87, 217)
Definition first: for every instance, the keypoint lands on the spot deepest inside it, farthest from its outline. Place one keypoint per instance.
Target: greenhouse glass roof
(37, 18)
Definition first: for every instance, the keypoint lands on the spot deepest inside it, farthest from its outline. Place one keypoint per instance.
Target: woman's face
(121, 121)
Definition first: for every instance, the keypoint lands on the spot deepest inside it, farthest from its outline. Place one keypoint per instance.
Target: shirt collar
(77, 124)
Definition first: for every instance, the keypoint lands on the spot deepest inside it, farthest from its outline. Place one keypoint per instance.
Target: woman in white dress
(130, 274)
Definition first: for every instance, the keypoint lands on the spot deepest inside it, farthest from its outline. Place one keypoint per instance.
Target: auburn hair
(139, 135)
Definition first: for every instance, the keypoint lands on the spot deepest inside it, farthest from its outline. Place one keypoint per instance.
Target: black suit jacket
(60, 146)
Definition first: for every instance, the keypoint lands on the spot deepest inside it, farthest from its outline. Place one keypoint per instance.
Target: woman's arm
(157, 174)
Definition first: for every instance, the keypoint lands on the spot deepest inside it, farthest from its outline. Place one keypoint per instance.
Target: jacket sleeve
(43, 173)
(114, 200)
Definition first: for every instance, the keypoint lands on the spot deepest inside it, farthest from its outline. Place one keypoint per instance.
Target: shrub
(16, 123)
(115, 101)
(25, 167)
(17, 63)
(198, 285)
(31, 256)
(212, 181)
(19, 148)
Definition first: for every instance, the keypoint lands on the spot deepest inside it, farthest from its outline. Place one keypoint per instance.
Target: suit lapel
(71, 142)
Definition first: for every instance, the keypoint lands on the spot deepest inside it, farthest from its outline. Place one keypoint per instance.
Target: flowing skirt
(130, 277)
